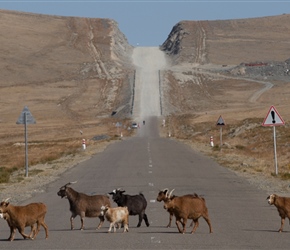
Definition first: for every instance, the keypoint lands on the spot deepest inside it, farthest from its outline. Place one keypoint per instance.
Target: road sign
(25, 117)
(220, 121)
(273, 118)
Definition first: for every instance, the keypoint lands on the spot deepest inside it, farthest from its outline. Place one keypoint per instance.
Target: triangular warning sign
(273, 118)
(26, 117)
(220, 121)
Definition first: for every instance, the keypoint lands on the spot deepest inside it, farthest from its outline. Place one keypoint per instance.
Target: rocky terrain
(77, 78)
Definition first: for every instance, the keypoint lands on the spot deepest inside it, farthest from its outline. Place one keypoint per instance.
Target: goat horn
(7, 199)
(167, 195)
(165, 189)
(71, 182)
(170, 194)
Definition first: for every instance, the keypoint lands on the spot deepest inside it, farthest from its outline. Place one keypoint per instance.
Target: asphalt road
(240, 215)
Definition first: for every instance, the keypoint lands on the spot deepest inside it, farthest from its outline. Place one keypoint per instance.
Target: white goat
(116, 215)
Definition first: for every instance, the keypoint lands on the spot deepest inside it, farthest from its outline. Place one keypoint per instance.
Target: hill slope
(68, 71)
(230, 42)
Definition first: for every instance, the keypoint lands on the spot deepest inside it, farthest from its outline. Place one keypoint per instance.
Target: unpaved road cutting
(148, 62)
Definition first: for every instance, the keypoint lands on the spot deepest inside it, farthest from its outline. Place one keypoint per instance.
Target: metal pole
(26, 145)
(221, 136)
(275, 152)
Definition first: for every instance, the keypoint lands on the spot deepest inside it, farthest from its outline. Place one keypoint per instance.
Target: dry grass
(47, 151)
(247, 146)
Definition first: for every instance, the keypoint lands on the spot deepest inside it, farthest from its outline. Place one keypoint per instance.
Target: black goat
(136, 204)
(84, 205)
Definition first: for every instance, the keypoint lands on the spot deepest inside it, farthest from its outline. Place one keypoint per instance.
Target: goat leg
(209, 224)
(282, 224)
(33, 232)
(140, 220)
(110, 228)
(191, 224)
(177, 224)
(21, 231)
(71, 222)
(41, 223)
(183, 222)
(170, 219)
(82, 223)
(196, 224)
(12, 233)
(146, 219)
(126, 228)
(102, 219)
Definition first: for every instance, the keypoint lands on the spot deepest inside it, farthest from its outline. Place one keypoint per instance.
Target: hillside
(237, 69)
(72, 73)
(69, 70)
(76, 76)
(215, 59)
(230, 42)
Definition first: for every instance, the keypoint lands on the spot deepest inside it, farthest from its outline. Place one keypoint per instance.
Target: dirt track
(149, 61)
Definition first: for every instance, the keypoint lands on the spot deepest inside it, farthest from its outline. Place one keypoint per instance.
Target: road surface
(239, 213)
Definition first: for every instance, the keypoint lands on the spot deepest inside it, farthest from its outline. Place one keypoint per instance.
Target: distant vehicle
(134, 125)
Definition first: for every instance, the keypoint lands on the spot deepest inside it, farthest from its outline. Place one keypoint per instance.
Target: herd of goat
(190, 206)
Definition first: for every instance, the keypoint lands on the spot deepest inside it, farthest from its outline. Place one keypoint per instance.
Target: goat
(19, 217)
(116, 215)
(283, 206)
(6, 217)
(136, 204)
(84, 205)
(187, 207)
(162, 197)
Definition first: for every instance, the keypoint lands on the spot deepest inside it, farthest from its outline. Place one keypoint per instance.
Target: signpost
(26, 118)
(118, 126)
(221, 123)
(274, 119)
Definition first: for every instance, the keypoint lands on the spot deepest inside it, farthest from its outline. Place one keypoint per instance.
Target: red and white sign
(273, 118)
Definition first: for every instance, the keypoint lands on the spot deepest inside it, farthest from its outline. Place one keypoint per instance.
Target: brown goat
(19, 217)
(6, 217)
(84, 205)
(162, 197)
(283, 206)
(187, 207)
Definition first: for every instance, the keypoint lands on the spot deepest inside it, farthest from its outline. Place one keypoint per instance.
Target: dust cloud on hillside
(148, 61)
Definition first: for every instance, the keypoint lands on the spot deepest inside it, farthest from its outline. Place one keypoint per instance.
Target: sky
(148, 23)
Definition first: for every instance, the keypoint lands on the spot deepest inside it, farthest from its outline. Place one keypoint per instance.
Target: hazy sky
(148, 23)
